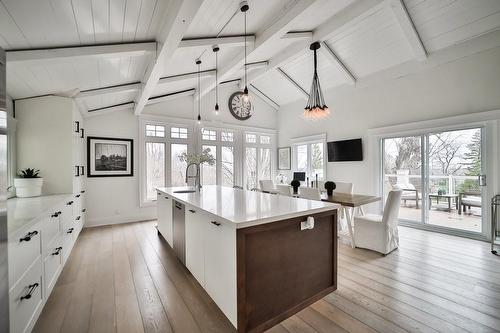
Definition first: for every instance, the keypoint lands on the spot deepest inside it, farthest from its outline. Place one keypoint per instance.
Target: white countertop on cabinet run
(247, 208)
(22, 212)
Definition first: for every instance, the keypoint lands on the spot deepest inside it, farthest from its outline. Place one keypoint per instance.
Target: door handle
(482, 180)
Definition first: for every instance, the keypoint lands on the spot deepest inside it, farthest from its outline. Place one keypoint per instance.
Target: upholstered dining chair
(267, 185)
(284, 189)
(310, 193)
(379, 232)
(344, 188)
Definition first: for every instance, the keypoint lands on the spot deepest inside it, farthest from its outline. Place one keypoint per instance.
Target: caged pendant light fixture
(316, 107)
(244, 8)
(216, 49)
(198, 62)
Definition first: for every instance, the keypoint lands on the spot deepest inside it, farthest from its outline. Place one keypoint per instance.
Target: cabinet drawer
(67, 242)
(52, 264)
(50, 227)
(24, 248)
(26, 299)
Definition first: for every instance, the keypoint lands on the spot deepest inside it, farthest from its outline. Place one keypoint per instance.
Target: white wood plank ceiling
(103, 44)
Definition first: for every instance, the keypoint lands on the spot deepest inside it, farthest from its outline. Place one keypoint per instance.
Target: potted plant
(28, 184)
(295, 184)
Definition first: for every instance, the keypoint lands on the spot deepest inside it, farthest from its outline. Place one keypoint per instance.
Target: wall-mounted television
(345, 150)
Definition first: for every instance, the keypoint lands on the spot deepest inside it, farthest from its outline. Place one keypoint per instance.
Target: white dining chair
(284, 189)
(267, 185)
(310, 193)
(379, 232)
(345, 188)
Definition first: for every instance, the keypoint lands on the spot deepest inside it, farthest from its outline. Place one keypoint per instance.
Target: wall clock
(238, 108)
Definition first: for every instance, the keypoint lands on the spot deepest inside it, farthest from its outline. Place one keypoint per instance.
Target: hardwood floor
(123, 278)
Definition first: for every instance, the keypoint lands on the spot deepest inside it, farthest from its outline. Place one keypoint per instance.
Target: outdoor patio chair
(468, 199)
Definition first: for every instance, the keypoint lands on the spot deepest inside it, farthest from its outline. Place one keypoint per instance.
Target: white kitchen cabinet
(195, 244)
(164, 206)
(24, 248)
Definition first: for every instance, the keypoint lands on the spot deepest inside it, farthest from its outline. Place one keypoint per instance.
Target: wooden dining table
(347, 201)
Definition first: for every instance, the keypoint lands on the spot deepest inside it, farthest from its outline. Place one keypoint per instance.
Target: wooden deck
(469, 221)
(125, 279)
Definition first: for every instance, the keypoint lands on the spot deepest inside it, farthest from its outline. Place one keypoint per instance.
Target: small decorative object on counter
(29, 183)
(281, 178)
(295, 184)
(330, 186)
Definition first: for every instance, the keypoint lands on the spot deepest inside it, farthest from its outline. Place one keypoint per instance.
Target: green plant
(204, 157)
(29, 173)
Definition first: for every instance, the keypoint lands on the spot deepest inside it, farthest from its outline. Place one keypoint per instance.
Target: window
(209, 172)
(227, 136)
(251, 138)
(178, 133)
(155, 168)
(209, 135)
(265, 139)
(227, 164)
(251, 167)
(309, 157)
(178, 168)
(265, 163)
(155, 131)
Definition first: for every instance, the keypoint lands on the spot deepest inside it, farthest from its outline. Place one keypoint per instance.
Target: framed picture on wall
(110, 157)
(284, 158)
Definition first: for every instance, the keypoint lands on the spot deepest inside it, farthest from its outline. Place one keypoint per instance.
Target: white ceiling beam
(293, 82)
(264, 39)
(179, 15)
(58, 54)
(334, 59)
(221, 41)
(296, 35)
(186, 76)
(266, 99)
(408, 28)
(124, 88)
(112, 108)
(171, 96)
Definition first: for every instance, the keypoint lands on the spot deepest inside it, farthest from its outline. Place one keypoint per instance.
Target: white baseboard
(96, 222)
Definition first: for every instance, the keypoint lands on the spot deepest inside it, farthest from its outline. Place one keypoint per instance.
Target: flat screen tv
(345, 150)
(300, 176)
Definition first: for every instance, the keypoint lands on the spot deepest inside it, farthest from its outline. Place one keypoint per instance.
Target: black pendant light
(216, 49)
(244, 8)
(316, 107)
(198, 62)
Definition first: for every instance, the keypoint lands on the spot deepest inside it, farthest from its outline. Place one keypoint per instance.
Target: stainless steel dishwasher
(179, 231)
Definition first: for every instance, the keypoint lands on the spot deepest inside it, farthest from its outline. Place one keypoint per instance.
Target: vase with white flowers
(197, 160)
(28, 183)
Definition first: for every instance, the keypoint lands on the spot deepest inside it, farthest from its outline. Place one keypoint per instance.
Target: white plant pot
(28, 187)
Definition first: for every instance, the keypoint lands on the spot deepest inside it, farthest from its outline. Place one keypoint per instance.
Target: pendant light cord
(216, 85)
(245, 49)
(199, 92)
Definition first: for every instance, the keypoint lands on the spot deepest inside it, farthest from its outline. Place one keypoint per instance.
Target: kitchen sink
(185, 191)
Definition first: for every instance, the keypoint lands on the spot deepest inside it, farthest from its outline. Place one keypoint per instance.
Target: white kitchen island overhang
(261, 257)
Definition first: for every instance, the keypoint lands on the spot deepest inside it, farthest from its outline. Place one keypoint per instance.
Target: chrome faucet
(197, 183)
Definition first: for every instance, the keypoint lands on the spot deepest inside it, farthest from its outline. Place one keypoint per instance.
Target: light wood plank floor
(125, 279)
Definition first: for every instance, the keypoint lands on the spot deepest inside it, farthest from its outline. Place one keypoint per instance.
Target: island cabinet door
(164, 207)
(195, 243)
(220, 266)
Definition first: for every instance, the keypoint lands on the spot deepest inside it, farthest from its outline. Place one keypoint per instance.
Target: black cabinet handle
(77, 171)
(82, 133)
(56, 214)
(82, 170)
(78, 218)
(70, 230)
(167, 198)
(192, 211)
(77, 126)
(32, 288)
(57, 251)
(82, 191)
(28, 236)
(215, 223)
(84, 210)
(69, 203)
(77, 196)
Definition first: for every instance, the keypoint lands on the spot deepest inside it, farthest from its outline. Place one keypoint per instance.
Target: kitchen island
(260, 257)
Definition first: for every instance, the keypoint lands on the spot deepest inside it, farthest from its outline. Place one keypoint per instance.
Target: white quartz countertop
(21, 212)
(247, 208)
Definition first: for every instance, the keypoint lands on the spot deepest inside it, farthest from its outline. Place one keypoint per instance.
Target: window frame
(309, 141)
(258, 145)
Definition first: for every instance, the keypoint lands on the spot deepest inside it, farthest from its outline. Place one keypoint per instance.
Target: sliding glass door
(441, 176)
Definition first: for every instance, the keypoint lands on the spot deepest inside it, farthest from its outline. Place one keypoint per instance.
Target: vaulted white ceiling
(121, 51)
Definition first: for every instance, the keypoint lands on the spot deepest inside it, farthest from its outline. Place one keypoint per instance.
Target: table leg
(349, 226)
(456, 202)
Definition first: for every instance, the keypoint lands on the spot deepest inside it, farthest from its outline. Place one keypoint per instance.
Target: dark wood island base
(282, 269)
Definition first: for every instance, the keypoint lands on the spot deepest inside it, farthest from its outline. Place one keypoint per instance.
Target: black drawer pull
(192, 211)
(78, 217)
(83, 191)
(57, 251)
(70, 230)
(69, 203)
(32, 288)
(28, 236)
(56, 214)
(166, 197)
(215, 223)
(77, 196)
(84, 210)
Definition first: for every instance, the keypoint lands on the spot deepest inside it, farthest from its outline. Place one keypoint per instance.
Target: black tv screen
(345, 150)
(300, 176)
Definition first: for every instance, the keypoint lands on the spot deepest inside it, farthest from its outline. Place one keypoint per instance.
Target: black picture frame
(285, 164)
(129, 162)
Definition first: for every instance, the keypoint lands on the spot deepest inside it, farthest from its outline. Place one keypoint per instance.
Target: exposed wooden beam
(123, 88)
(111, 108)
(409, 30)
(171, 96)
(266, 99)
(298, 35)
(176, 23)
(230, 82)
(293, 82)
(186, 76)
(327, 50)
(264, 39)
(221, 41)
(60, 53)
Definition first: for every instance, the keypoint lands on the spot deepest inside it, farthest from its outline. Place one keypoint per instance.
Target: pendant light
(244, 8)
(316, 107)
(198, 62)
(216, 49)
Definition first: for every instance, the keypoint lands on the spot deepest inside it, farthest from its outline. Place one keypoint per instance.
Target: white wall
(115, 199)
(468, 85)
